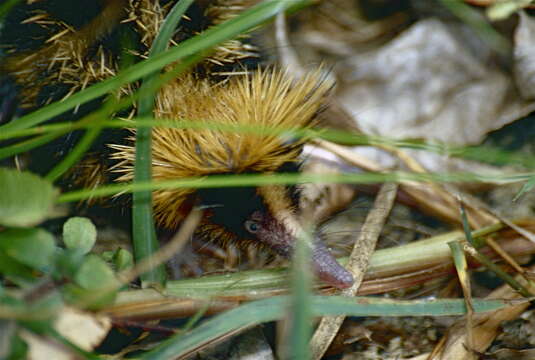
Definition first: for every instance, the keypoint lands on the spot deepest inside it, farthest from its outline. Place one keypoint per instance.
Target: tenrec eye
(251, 226)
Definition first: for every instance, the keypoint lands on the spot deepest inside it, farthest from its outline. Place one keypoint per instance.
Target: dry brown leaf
(427, 84)
(436, 80)
(319, 201)
(524, 56)
(486, 326)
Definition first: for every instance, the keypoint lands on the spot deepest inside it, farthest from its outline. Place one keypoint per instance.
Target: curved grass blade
(275, 308)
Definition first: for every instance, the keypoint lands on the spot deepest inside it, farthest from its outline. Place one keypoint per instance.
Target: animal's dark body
(261, 100)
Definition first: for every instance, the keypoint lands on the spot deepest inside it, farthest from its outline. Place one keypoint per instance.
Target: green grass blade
(300, 309)
(483, 259)
(528, 186)
(29, 144)
(486, 154)
(286, 179)
(477, 22)
(274, 308)
(143, 230)
(76, 154)
(6, 7)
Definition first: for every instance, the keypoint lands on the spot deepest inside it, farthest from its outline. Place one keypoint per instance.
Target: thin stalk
(76, 154)
(99, 117)
(30, 144)
(483, 259)
(143, 230)
(286, 179)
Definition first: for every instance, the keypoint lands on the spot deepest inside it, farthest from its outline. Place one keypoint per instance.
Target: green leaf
(32, 247)
(68, 263)
(123, 259)
(94, 284)
(41, 327)
(95, 274)
(86, 299)
(25, 198)
(79, 233)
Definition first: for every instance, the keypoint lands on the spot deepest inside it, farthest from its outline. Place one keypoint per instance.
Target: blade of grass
(42, 130)
(485, 154)
(6, 7)
(418, 255)
(90, 120)
(484, 260)
(286, 179)
(84, 144)
(274, 308)
(528, 186)
(76, 154)
(461, 266)
(29, 144)
(300, 311)
(143, 230)
(477, 21)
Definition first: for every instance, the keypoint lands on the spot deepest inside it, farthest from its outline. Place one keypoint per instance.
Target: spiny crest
(214, 255)
(231, 51)
(216, 233)
(147, 16)
(260, 102)
(77, 58)
(64, 58)
(89, 173)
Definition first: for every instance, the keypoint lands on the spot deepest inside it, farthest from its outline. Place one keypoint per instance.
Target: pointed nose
(328, 269)
(280, 236)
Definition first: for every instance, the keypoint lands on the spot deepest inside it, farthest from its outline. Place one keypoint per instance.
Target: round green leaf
(95, 274)
(32, 247)
(93, 281)
(79, 233)
(25, 198)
